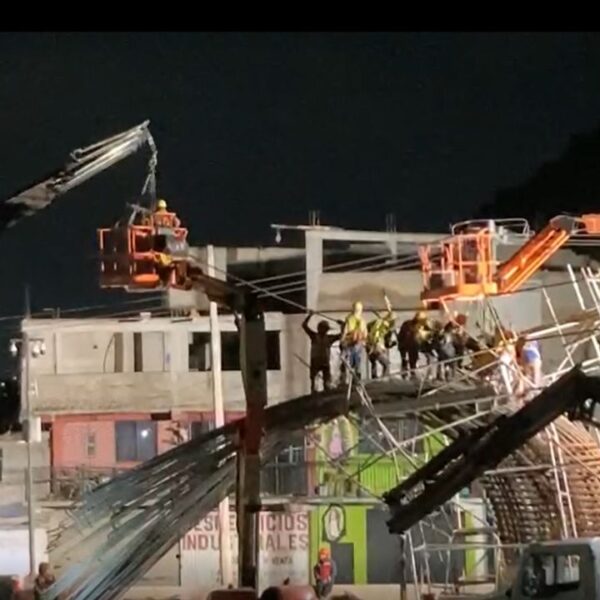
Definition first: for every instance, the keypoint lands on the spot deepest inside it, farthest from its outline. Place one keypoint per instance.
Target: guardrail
(353, 477)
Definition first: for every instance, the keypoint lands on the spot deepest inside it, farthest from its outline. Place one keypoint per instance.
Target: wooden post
(217, 387)
(253, 355)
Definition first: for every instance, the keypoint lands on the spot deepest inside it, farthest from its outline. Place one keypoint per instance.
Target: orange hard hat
(323, 553)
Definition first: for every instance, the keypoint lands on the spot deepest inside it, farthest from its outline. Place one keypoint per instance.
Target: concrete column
(314, 267)
(36, 429)
(218, 406)
(392, 244)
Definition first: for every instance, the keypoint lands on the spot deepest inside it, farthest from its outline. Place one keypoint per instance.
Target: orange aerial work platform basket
(464, 266)
(461, 265)
(141, 257)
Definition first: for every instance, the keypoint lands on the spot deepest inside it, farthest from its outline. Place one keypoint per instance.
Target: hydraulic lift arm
(470, 455)
(83, 164)
(536, 251)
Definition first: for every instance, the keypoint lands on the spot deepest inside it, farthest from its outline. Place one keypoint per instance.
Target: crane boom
(83, 164)
(537, 250)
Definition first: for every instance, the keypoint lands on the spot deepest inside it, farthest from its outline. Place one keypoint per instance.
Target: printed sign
(334, 523)
(284, 550)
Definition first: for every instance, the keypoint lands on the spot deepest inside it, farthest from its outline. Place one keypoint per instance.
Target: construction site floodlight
(13, 348)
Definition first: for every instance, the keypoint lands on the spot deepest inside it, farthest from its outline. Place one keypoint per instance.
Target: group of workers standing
(355, 336)
(444, 345)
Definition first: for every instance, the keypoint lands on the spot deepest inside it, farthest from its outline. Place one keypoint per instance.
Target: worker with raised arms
(354, 335)
(378, 339)
(320, 351)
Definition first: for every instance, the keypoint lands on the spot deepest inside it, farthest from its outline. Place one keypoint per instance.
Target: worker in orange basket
(325, 572)
(163, 218)
(354, 335)
(164, 266)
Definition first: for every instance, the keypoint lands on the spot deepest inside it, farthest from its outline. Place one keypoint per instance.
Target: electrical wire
(387, 260)
(389, 265)
(332, 267)
(271, 292)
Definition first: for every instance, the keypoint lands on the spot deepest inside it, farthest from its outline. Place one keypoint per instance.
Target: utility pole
(217, 385)
(253, 355)
(26, 398)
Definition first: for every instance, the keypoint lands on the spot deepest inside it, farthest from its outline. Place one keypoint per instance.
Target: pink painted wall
(70, 437)
(70, 443)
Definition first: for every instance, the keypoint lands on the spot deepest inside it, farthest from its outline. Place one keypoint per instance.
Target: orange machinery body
(130, 256)
(463, 266)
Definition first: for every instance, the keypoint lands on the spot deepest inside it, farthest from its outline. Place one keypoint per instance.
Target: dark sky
(259, 128)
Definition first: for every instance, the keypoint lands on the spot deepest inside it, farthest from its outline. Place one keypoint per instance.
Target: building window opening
(230, 351)
(199, 428)
(90, 444)
(287, 474)
(199, 351)
(135, 440)
(273, 351)
(138, 361)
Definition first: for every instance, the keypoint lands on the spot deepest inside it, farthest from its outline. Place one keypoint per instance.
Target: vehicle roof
(592, 542)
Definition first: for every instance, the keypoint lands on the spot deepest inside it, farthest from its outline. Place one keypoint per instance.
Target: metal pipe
(217, 387)
(25, 396)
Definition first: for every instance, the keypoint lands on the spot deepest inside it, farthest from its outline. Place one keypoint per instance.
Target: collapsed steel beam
(468, 457)
(145, 510)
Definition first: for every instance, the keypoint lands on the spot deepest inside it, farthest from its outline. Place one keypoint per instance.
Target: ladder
(561, 482)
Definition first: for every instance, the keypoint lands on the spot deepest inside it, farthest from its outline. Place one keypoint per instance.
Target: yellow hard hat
(162, 204)
(421, 315)
(357, 305)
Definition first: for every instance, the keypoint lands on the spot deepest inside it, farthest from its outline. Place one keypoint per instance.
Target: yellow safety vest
(163, 259)
(355, 329)
(378, 330)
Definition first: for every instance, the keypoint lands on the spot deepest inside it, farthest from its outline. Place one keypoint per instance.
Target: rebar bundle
(125, 526)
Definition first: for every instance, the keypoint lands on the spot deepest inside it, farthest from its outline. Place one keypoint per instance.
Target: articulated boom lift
(83, 164)
(464, 266)
(138, 255)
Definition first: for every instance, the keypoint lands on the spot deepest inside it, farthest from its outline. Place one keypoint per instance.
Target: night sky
(260, 128)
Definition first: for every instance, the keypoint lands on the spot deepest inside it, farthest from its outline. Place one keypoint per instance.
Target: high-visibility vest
(355, 329)
(377, 332)
(163, 219)
(422, 331)
(324, 570)
(164, 260)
